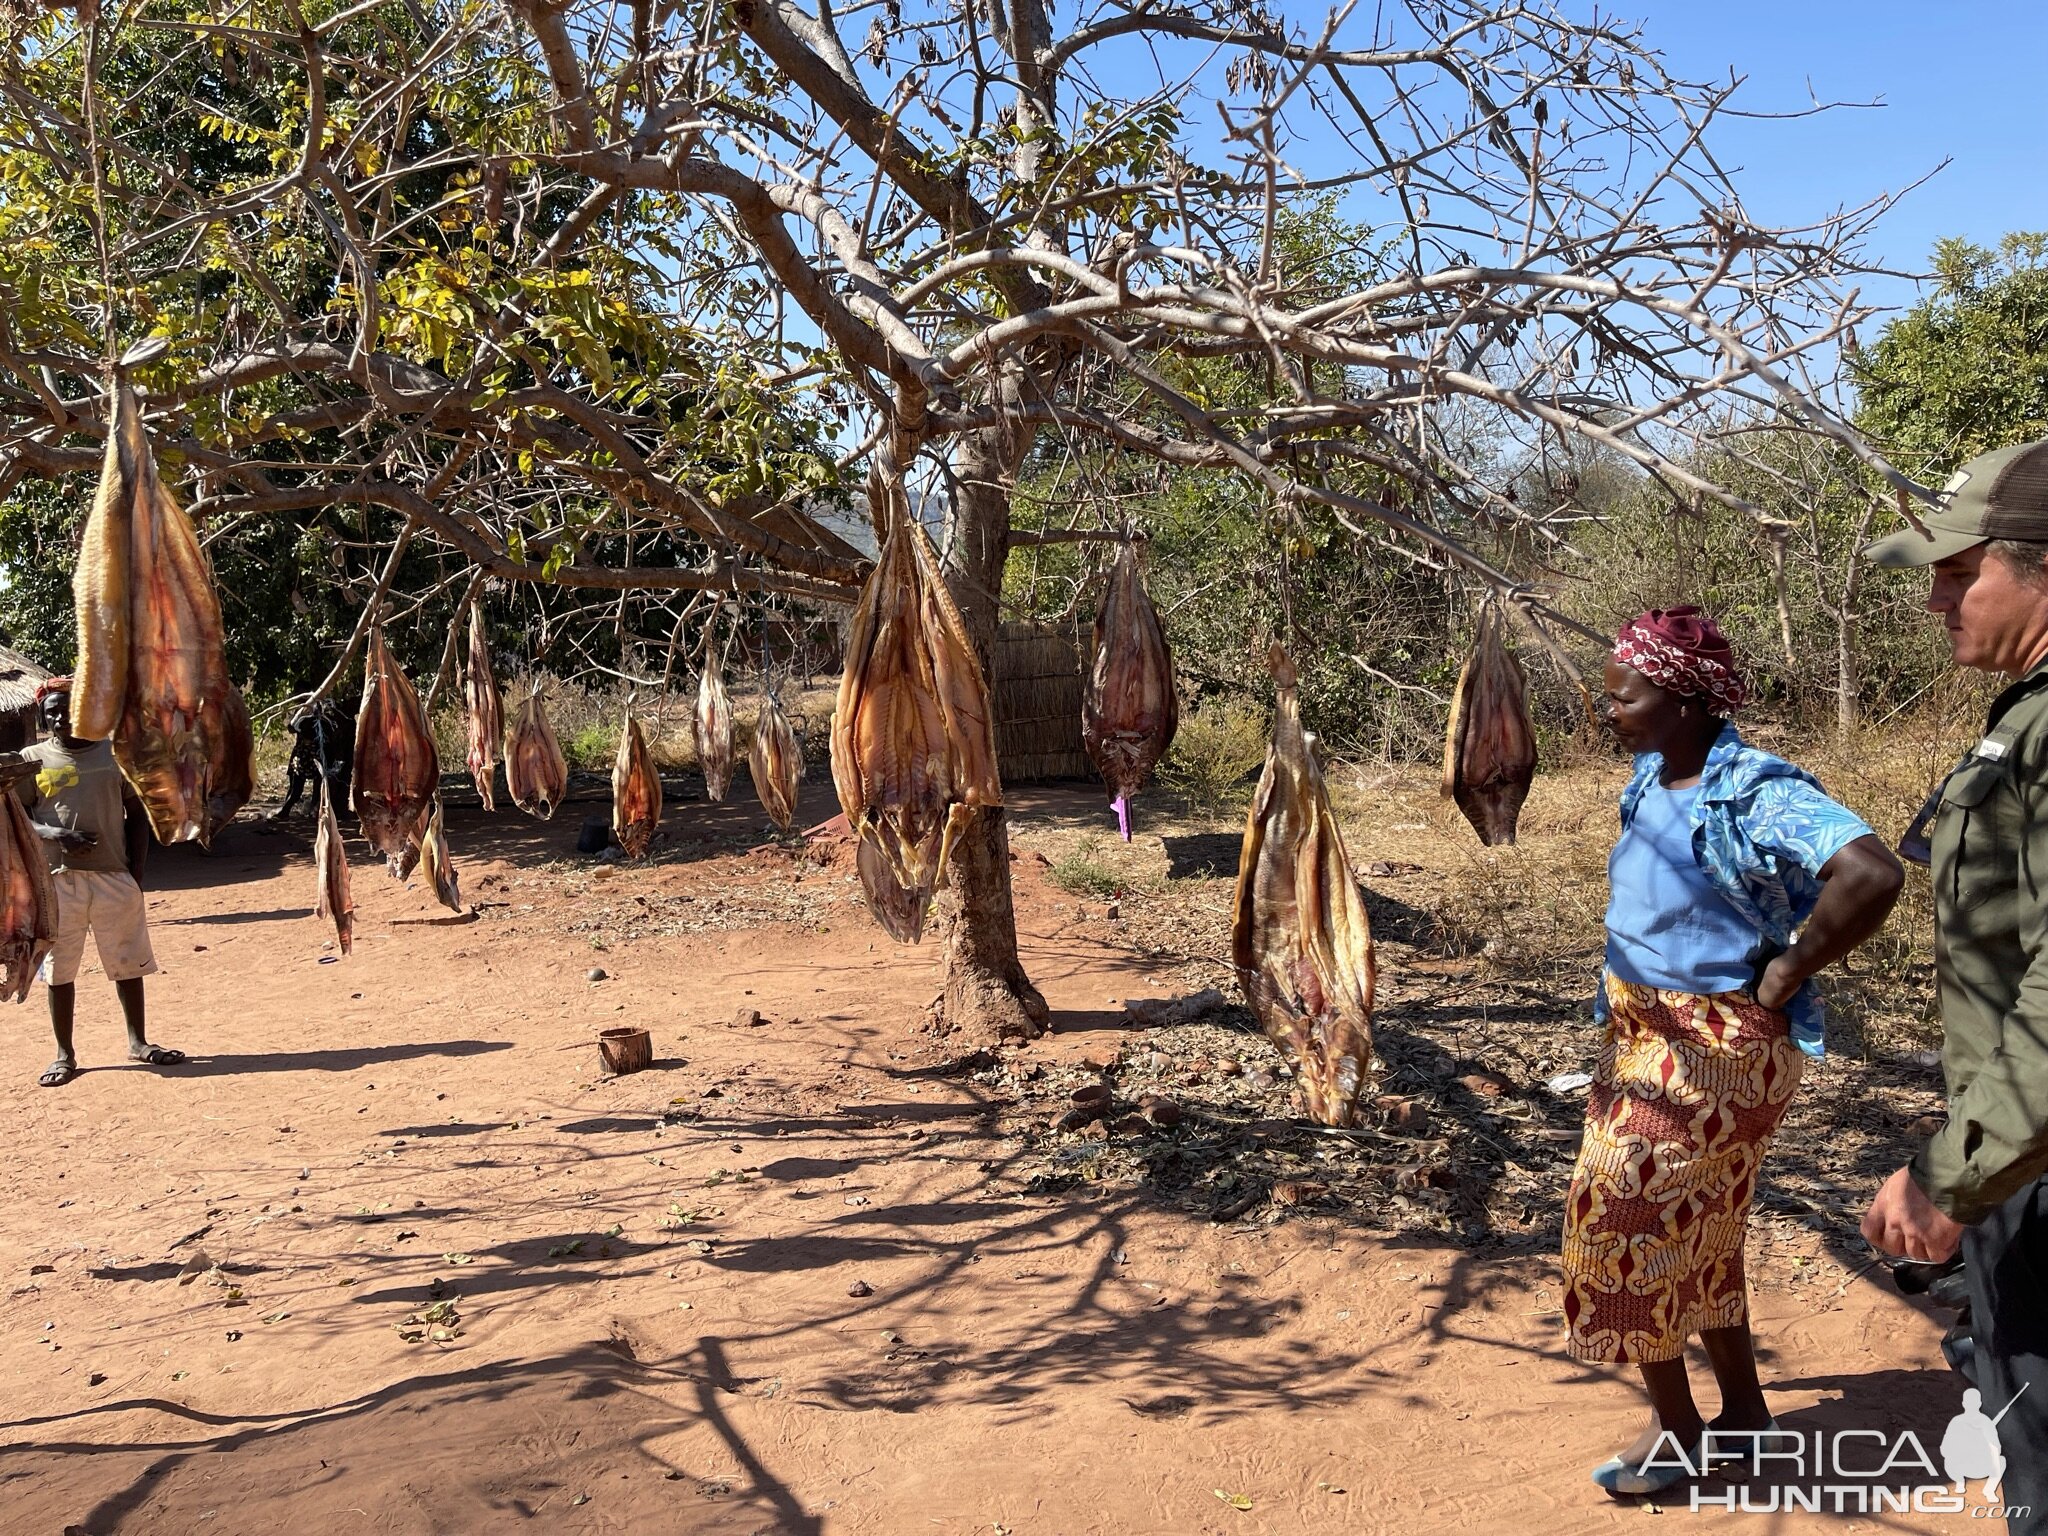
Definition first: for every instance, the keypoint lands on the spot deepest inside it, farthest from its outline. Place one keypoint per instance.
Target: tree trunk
(986, 994)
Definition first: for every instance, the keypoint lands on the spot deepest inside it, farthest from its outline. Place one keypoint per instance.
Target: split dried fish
(397, 775)
(1130, 711)
(714, 732)
(330, 867)
(1490, 748)
(536, 773)
(439, 867)
(912, 745)
(775, 759)
(28, 900)
(636, 792)
(486, 711)
(152, 665)
(1300, 937)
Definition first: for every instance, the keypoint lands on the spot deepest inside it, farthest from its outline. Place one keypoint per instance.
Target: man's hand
(67, 837)
(1903, 1221)
(1781, 978)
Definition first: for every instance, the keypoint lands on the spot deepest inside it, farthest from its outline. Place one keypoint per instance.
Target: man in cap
(1981, 1182)
(95, 834)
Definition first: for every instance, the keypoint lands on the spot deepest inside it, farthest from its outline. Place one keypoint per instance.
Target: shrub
(1221, 743)
(1081, 874)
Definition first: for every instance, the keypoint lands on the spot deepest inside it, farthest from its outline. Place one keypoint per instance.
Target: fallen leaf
(458, 1258)
(1236, 1501)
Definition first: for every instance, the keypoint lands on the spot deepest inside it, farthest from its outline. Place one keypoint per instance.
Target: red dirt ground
(808, 1309)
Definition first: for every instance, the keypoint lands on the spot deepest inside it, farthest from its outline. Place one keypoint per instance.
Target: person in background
(323, 750)
(1980, 1184)
(96, 835)
(1734, 881)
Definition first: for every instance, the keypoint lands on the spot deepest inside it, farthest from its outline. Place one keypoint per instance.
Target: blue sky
(1959, 79)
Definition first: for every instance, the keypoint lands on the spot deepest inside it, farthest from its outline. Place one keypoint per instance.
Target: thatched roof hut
(1037, 702)
(18, 679)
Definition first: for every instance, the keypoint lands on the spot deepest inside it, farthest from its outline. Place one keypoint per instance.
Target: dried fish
(152, 665)
(486, 711)
(1490, 748)
(636, 792)
(435, 861)
(28, 900)
(536, 773)
(397, 775)
(775, 759)
(1129, 711)
(714, 732)
(1300, 937)
(330, 867)
(912, 745)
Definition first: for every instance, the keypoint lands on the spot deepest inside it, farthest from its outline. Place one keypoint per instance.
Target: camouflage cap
(1998, 495)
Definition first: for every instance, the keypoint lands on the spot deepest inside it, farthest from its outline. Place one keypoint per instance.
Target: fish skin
(1300, 937)
(636, 792)
(435, 860)
(913, 747)
(152, 664)
(775, 761)
(536, 772)
(1130, 710)
(333, 898)
(1490, 744)
(397, 775)
(28, 900)
(486, 711)
(712, 725)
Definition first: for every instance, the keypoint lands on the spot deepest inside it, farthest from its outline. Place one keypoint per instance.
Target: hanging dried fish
(636, 792)
(1490, 748)
(152, 665)
(536, 773)
(776, 761)
(434, 859)
(28, 900)
(912, 744)
(714, 731)
(486, 711)
(1300, 937)
(1129, 711)
(397, 775)
(330, 867)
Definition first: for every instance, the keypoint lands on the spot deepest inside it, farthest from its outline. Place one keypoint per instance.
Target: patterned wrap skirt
(1688, 1090)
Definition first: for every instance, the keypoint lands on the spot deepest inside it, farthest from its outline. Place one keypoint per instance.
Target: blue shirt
(1761, 830)
(1667, 927)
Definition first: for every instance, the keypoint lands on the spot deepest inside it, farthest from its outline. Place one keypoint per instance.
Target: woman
(1726, 853)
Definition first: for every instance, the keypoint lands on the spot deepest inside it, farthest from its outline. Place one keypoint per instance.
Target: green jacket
(1990, 870)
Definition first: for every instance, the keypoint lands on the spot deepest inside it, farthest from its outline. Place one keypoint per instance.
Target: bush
(1080, 874)
(1221, 744)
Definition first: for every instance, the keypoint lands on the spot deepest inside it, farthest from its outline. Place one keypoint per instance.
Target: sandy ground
(779, 1283)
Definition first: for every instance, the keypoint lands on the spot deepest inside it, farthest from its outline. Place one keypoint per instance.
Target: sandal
(158, 1056)
(1655, 1475)
(58, 1073)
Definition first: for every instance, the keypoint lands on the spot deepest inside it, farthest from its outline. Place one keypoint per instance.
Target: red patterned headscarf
(1683, 650)
(50, 685)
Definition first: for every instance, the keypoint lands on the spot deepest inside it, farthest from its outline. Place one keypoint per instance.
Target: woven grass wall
(1038, 702)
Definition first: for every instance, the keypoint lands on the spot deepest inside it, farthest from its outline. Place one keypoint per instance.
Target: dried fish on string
(434, 859)
(330, 866)
(1490, 747)
(28, 900)
(152, 665)
(397, 775)
(1299, 936)
(912, 745)
(486, 711)
(713, 724)
(1129, 711)
(636, 791)
(775, 759)
(536, 773)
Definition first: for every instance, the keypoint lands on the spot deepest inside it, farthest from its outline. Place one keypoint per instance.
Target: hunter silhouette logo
(1970, 1446)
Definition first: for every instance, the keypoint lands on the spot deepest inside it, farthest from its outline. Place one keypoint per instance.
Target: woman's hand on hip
(1781, 978)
